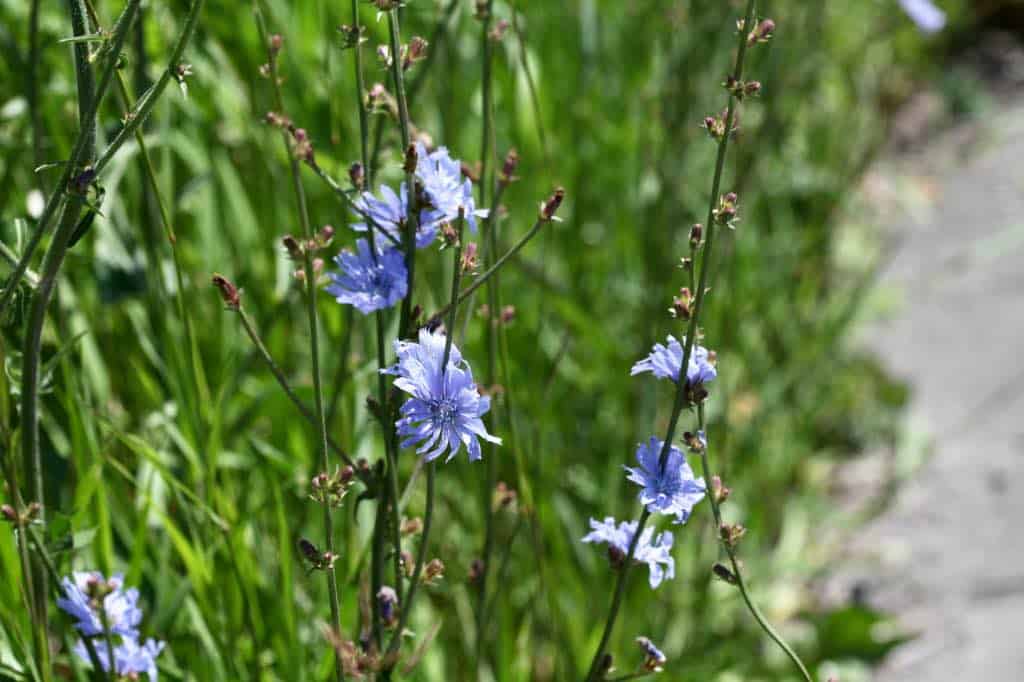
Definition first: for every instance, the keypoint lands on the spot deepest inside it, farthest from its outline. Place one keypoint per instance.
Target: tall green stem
(680, 399)
(310, 286)
(488, 189)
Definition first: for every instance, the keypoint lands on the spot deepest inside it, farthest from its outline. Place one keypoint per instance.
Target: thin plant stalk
(310, 287)
(488, 188)
(421, 553)
(680, 399)
(493, 270)
(282, 381)
(730, 551)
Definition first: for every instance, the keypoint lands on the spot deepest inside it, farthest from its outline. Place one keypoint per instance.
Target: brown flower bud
(357, 175)
(762, 33)
(550, 207)
(228, 291)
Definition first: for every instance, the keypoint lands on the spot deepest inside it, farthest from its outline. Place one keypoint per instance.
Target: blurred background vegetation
(604, 97)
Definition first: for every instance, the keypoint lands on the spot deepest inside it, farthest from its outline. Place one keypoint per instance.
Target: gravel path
(948, 555)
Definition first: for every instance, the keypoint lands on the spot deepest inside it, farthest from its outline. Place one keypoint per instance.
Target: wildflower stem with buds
(737, 573)
(310, 285)
(680, 399)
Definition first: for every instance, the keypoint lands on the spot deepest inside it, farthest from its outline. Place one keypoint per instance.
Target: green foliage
(194, 480)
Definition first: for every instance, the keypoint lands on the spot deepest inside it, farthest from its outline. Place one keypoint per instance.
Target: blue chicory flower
(925, 14)
(657, 554)
(664, 362)
(389, 214)
(130, 658)
(369, 284)
(673, 490)
(84, 591)
(445, 188)
(445, 408)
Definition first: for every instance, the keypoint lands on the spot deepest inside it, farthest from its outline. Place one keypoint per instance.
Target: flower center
(444, 412)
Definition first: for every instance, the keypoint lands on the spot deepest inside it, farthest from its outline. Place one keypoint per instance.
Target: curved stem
(737, 572)
(282, 381)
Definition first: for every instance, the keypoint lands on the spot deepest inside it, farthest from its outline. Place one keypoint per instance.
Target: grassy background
(199, 493)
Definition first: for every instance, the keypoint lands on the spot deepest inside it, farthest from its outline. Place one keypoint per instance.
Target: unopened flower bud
(292, 246)
(498, 32)
(325, 235)
(275, 43)
(414, 52)
(696, 233)
(762, 33)
(720, 492)
(722, 572)
(412, 526)
(357, 175)
(411, 159)
(408, 564)
(504, 497)
(508, 313)
(469, 257)
(681, 304)
(346, 475)
(697, 442)
(653, 658)
(731, 533)
(476, 569)
(449, 234)
(387, 600)
(433, 571)
(508, 167)
(7, 511)
(550, 207)
(384, 55)
(228, 291)
(752, 88)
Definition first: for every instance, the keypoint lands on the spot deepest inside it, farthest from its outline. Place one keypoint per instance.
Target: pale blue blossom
(925, 14)
(664, 362)
(672, 490)
(656, 552)
(445, 408)
(369, 283)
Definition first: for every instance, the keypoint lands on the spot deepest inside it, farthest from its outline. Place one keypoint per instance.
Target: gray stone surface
(947, 556)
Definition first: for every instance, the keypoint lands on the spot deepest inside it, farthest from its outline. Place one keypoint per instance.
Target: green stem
(421, 553)
(680, 400)
(737, 572)
(310, 286)
(32, 84)
(412, 218)
(491, 271)
(488, 187)
(108, 639)
(282, 381)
